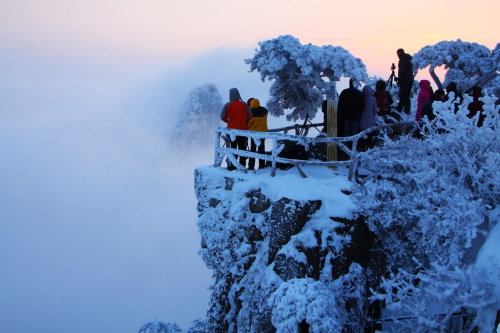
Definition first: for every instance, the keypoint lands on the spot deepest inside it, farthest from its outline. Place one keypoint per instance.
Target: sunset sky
(180, 30)
(97, 216)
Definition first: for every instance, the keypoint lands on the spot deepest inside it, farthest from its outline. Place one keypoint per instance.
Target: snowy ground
(321, 184)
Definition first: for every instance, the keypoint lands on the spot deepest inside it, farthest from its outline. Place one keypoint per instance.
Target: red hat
(249, 101)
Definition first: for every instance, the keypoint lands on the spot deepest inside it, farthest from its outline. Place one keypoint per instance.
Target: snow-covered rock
(269, 236)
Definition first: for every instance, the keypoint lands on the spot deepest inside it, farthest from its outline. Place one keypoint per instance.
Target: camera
(393, 67)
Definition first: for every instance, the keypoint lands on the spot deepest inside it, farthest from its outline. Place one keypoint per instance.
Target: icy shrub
(300, 300)
(426, 199)
(157, 326)
(426, 300)
(197, 326)
(429, 196)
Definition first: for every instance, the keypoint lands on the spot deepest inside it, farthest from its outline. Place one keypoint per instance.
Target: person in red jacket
(236, 114)
(384, 99)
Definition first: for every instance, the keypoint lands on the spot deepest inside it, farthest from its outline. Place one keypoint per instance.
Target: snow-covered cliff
(286, 251)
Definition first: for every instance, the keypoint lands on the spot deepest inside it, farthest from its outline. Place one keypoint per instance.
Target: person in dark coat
(257, 123)
(351, 104)
(452, 87)
(384, 99)
(236, 114)
(476, 105)
(405, 81)
(427, 110)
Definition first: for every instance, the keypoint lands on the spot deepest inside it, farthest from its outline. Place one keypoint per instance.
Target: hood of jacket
(435, 97)
(405, 56)
(367, 91)
(254, 103)
(476, 96)
(234, 94)
(424, 85)
(452, 87)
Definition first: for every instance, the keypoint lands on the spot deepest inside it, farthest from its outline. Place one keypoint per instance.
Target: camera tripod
(392, 77)
(303, 131)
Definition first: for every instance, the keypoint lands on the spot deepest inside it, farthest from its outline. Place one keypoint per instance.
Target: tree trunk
(435, 78)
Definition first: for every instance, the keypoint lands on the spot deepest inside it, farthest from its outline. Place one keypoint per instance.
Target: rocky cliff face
(288, 254)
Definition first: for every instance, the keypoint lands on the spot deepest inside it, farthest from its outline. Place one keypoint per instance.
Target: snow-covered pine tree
(466, 62)
(299, 73)
(198, 118)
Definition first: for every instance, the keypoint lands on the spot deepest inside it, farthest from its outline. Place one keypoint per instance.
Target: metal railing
(276, 137)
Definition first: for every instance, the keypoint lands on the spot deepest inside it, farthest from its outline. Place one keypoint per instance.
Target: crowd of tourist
(357, 110)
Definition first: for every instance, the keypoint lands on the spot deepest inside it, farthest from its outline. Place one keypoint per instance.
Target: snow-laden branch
(466, 62)
(299, 73)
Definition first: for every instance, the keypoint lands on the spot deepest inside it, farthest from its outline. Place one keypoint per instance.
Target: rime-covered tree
(198, 118)
(466, 62)
(157, 326)
(428, 200)
(197, 326)
(493, 77)
(299, 73)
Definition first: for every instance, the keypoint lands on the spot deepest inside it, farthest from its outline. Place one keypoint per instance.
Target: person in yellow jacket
(257, 123)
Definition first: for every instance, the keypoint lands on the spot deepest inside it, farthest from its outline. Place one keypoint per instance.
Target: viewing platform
(348, 145)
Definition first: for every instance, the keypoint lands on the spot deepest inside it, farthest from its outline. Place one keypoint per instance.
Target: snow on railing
(299, 129)
(276, 137)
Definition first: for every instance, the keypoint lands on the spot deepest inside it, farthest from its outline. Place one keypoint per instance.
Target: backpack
(383, 103)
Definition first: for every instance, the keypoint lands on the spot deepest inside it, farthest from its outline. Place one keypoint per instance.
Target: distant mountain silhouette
(199, 116)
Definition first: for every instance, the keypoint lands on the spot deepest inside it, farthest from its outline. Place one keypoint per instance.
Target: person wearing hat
(351, 104)
(237, 115)
(257, 123)
(404, 80)
(452, 87)
(476, 106)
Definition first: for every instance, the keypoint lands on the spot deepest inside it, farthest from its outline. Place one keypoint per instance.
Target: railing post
(331, 126)
(274, 154)
(217, 159)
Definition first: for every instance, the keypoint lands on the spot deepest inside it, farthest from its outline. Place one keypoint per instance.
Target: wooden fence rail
(276, 137)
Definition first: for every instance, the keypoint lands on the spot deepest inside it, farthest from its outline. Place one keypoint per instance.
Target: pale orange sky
(180, 30)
